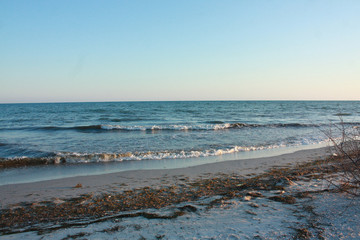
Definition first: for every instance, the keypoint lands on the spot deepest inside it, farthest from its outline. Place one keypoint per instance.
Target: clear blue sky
(74, 50)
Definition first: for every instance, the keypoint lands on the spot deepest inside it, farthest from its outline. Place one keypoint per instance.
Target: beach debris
(58, 201)
(79, 185)
(247, 198)
(188, 208)
(302, 233)
(75, 236)
(254, 205)
(255, 194)
(159, 236)
(250, 212)
(284, 199)
(231, 194)
(118, 228)
(21, 162)
(35, 204)
(284, 181)
(14, 207)
(58, 160)
(303, 195)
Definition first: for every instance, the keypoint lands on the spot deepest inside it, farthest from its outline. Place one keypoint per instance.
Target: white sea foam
(76, 157)
(210, 126)
(178, 127)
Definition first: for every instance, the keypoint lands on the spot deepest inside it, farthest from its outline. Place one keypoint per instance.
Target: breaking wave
(210, 126)
(131, 156)
(78, 157)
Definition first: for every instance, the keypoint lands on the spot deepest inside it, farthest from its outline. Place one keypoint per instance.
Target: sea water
(146, 132)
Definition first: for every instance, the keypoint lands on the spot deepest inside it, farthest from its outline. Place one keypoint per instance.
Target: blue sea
(77, 134)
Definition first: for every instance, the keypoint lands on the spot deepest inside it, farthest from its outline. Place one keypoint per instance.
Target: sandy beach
(117, 182)
(237, 199)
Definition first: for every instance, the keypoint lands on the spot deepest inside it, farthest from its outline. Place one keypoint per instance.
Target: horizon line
(243, 100)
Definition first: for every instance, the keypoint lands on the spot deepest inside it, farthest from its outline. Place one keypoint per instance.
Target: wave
(74, 157)
(28, 161)
(211, 126)
(78, 157)
(127, 119)
(14, 150)
(56, 128)
(208, 126)
(199, 127)
(215, 122)
(124, 119)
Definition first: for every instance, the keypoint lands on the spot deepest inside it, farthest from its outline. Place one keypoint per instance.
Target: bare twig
(346, 155)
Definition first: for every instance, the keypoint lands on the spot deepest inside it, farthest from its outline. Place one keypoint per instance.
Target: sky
(161, 50)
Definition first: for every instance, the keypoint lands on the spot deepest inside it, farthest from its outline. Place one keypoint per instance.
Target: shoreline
(65, 188)
(42, 170)
(290, 197)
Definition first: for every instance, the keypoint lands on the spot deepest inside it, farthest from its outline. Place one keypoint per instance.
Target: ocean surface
(81, 133)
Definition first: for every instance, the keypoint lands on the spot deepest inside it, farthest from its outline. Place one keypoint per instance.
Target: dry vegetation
(346, 156)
